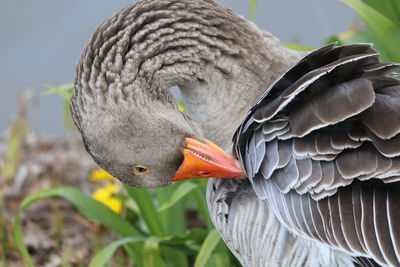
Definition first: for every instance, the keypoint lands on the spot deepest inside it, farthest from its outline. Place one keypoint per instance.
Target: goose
(302, 150)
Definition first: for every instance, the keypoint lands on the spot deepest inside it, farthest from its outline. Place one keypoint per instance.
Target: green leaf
(385, 31)
(221, 260)
(386, 8)
(299, 47)
(12, 154)
(67, 115)
(333, 39)
(201, 203)
(62, 90)
(152, 253)
(184, 189)
(17, 133)
(210, 243)
(359, 37)
(189, 244)
(104, 255)
(174, 218)
(174, 223)
(147, 209)
(19, 241)
(252, 10)
(366, 37)
(396, 7)
(196, 235)
(87, 206)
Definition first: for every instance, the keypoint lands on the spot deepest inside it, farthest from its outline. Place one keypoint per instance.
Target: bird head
(121, 104)
(153, 145)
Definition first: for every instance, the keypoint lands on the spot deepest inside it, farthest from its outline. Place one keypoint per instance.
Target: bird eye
(140, 170)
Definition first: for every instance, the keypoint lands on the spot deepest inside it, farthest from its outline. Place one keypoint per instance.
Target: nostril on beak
(204, 173)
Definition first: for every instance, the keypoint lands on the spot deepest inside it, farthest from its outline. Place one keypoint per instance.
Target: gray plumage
(312, 166)
(341, 105)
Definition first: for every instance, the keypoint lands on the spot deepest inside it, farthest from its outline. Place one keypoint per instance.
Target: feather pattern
(322, 146)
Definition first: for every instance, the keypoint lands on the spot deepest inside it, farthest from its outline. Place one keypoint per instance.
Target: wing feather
(347, 222)
(322, 145)
(382, 227)
(367, 224)
(334, 216)
(393, 217)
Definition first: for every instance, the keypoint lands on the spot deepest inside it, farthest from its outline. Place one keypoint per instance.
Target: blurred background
(77, 205)
(41, 42)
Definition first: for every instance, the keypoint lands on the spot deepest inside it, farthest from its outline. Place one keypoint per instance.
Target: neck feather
(220, 61)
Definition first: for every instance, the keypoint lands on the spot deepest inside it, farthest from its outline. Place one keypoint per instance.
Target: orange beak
(207, 160)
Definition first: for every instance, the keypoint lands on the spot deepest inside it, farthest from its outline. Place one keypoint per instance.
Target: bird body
(321, 147)
(225, 66)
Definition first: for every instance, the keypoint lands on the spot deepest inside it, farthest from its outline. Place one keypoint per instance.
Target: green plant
(16, 136)
(157, 234)
(382, 18)
(252, 9)
(154, 225)
(65, 92)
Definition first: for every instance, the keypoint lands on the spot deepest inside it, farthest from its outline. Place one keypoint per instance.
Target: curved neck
(220, 61)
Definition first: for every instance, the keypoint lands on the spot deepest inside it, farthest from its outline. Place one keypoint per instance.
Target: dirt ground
(55, 233)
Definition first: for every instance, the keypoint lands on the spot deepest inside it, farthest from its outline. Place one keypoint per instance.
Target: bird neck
(219, 87)
(220, 61)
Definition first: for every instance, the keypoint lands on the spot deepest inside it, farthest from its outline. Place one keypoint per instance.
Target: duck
(302, 150)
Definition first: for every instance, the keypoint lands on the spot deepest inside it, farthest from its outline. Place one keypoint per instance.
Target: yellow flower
(105, 196)
(115, 204)
(350, 33)
(181, 106)
(100, 175)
